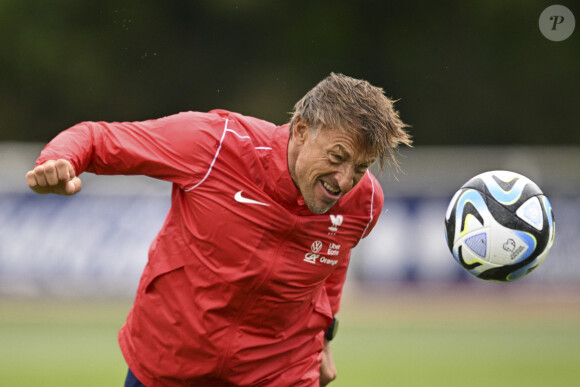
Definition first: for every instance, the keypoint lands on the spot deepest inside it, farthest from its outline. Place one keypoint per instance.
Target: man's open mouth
(331, 189)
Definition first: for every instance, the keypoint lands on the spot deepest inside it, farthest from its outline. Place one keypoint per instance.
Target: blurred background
(478, 82)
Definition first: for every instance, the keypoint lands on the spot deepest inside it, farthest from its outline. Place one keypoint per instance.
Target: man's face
(326, 166)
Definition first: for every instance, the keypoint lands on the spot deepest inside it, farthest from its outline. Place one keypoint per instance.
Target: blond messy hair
(358, 108)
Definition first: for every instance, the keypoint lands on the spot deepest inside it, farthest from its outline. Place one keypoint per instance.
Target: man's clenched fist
(54, 176)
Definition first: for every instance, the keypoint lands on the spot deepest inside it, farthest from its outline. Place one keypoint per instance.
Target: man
(244, 279)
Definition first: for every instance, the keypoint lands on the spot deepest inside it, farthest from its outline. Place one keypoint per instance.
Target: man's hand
(54, 176)
(327, 368)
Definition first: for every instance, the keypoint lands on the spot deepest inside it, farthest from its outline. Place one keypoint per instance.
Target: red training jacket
(243, 278)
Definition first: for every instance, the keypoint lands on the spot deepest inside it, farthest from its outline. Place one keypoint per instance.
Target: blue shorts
(132, 380)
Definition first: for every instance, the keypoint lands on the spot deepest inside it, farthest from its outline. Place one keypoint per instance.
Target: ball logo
(510, 247)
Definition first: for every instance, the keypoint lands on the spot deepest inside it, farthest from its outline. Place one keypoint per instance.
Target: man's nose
(345, 177)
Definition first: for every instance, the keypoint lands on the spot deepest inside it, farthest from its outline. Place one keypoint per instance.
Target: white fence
(95, 244)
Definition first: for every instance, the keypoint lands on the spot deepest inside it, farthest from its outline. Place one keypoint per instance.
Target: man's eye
(336, 158)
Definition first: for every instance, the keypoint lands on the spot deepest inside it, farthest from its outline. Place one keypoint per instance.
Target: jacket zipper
(251, 298)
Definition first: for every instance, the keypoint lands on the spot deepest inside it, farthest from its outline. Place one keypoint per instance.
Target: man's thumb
(73, 186)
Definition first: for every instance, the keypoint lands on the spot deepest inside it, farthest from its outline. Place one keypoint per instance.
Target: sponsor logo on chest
(316, 249)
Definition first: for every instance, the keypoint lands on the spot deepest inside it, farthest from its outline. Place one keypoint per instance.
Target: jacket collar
(283, 185)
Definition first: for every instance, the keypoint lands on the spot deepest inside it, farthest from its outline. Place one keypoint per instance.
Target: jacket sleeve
(177, 148)
(335, 282)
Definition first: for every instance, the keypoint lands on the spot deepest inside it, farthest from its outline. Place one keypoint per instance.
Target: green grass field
(60, 343)
(420, 337)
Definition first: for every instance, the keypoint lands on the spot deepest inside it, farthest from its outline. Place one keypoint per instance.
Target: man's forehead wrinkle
(354, 148)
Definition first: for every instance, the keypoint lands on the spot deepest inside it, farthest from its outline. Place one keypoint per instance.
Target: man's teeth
(330, 189)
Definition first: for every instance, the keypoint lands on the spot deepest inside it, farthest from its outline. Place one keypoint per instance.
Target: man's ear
(300, 131)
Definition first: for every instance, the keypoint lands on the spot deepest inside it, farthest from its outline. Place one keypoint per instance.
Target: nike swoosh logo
(240, 199)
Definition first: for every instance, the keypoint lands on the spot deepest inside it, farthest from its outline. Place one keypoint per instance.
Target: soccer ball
(499, 226)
